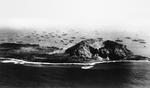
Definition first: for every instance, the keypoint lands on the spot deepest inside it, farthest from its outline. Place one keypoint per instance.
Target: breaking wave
(66, 65)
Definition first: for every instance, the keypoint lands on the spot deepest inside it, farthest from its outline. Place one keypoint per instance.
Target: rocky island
(88, 50)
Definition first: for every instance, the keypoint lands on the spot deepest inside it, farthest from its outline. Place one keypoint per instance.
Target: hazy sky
(126, 14)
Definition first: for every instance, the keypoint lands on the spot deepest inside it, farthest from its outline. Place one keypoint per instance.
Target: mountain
(108, 50)
(114, 51)
(85, 49)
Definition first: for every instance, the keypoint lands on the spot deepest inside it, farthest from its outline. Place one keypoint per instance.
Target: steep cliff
(114, 51)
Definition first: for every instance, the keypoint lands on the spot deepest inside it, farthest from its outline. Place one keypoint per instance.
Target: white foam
(86, 67)
(82, 65)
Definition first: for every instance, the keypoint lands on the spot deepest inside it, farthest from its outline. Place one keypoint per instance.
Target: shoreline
(23, 62)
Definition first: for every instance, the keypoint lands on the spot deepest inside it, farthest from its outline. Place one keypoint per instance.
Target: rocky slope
(86, 48)
(114, 51)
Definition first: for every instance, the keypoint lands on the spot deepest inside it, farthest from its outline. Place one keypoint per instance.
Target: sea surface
(102, 75)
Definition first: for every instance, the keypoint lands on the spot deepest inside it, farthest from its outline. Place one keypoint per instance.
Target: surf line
(82, 65)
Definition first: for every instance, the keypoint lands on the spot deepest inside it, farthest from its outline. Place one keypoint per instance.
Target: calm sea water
(107, 75)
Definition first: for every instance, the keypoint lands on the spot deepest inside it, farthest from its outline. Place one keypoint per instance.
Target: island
(86, 51)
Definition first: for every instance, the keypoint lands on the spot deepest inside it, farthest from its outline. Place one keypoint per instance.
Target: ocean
(102, 75)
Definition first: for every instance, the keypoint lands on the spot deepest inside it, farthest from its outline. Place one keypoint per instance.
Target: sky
(127, 15)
